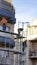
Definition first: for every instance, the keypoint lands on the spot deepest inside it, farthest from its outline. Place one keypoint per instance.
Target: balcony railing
(7, 38)
(6, 5)
(7, 10)
(33, 54)
(6, 34)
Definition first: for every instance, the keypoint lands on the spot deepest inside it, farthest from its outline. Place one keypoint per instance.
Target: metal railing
(33, 54)
(7, 38)
(7, 6)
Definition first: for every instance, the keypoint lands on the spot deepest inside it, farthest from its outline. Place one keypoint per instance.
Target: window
(22, 63)
(5, 28)
(0, 27)
(36, 62)
(3, 53)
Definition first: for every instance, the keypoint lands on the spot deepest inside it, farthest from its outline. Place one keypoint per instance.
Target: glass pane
(4, 27)
(36, 63)
(0, 27)
(7, 29)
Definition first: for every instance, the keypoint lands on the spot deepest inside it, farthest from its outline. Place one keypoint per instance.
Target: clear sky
(25, 9)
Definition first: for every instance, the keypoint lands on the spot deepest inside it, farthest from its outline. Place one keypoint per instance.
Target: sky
(25, 10)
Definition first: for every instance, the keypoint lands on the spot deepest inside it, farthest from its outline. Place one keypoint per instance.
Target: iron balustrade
(7, 38)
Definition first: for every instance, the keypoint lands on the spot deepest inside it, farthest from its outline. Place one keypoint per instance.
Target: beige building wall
(8, 1)
(31, 35)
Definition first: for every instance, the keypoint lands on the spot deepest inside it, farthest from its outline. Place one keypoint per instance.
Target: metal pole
(20, 44)
(27, 23)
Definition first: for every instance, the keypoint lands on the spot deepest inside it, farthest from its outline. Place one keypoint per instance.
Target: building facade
(7, 21)
(31, 49)
(11, 53)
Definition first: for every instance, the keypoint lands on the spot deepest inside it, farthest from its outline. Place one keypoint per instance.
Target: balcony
(7, 10)
(6, 38)
(33, 54)
(6, 5)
